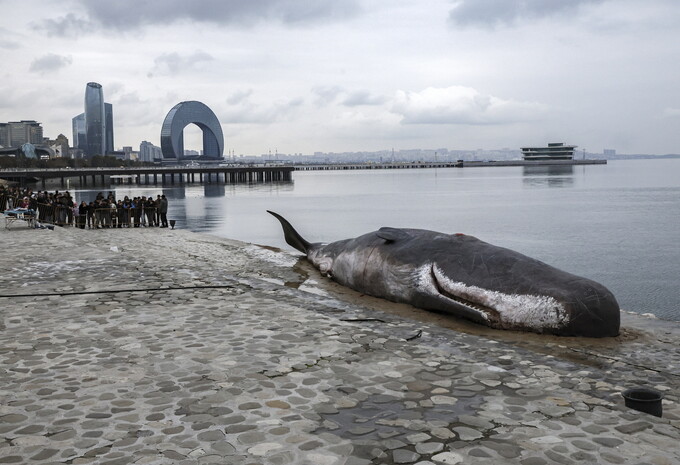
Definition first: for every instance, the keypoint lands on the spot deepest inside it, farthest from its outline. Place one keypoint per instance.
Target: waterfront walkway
(164, 346)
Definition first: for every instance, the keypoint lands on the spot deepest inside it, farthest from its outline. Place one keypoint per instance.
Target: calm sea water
(618, 224)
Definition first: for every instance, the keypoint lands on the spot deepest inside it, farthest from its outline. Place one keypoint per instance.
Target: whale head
(504, 289)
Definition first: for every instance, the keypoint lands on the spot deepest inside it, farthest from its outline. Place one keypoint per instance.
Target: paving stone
(534, 461)
(467, 434)
(404, 456)
(447, 458)
(584, 445)
(277, 404)
(429, 448)
(632, 428)
(612, 458)
(476, 452)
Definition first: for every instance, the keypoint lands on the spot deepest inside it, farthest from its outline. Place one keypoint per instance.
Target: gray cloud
(239, 96)
(67, 26)
(174, 63)
(326, 94)
(132, 14)
(495, 12)
(50, 62)
(362, 97)
(247, 112)
(461, 105)
(9, 44)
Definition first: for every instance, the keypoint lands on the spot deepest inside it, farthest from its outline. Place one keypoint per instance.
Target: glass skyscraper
(95, 119)
(79, 132)
(93, 130)
(108, 126)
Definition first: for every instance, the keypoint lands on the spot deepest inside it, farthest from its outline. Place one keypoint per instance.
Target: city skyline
(356, 75)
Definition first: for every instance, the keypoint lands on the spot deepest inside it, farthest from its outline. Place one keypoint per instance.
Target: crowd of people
(60, 208)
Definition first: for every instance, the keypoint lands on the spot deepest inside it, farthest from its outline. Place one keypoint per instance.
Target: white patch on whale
(515, 310)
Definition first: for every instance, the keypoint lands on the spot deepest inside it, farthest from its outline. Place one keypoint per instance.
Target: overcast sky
(355, 75)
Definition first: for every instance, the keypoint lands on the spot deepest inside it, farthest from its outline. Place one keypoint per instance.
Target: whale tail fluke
(293, 238)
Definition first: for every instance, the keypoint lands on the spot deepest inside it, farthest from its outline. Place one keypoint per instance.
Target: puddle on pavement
(375, 419)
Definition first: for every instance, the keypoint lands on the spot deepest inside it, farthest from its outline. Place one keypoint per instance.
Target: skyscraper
(79, 132)
(95, 120)
(108, 125)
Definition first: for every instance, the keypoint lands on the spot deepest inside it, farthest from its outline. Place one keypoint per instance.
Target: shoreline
(167, 346)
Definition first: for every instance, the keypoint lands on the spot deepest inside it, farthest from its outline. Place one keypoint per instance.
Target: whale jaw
(536, 313)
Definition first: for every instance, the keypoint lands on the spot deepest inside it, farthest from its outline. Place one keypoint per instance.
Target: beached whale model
(466, 277)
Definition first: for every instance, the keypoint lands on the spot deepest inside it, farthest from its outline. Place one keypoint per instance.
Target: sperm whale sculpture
(466, 277)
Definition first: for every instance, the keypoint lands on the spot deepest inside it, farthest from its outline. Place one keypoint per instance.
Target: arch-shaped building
(179, 117)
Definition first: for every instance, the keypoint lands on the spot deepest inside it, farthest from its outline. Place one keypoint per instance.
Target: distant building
(127, 150)
(93, 129)
(18, 133)
(60, 146)
(149, 152)
(554, 151)
(119, 154)
(183, 114)
(108, 124)
(79, 132)
(95, 120)
(4, 135)
(609, 152)
(75, 152)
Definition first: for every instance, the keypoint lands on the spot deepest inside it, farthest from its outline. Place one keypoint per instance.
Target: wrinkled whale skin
(466, 277)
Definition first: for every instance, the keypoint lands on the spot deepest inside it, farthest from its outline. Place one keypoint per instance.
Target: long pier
(456, 164)
(241, 173)
(154, 175)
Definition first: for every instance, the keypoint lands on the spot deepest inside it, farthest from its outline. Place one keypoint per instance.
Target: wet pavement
(155, 346)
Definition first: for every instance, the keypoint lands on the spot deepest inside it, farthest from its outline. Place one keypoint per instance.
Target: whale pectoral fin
(392, 234)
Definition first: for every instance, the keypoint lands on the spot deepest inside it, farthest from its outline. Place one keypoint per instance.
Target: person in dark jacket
(163, 208)
(90, 215)
(82, 214)
(149, 211)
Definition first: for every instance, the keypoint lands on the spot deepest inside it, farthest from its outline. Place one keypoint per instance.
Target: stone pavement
(157, 346)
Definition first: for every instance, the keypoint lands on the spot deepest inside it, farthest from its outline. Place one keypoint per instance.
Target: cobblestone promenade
(166, 347)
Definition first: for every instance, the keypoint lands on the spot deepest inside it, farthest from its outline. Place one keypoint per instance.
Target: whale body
(466, 277)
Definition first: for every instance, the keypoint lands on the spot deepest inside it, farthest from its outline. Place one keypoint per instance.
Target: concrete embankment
(154, 346)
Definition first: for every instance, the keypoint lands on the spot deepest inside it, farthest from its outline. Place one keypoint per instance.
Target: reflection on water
(550, 176)
(214, 190)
